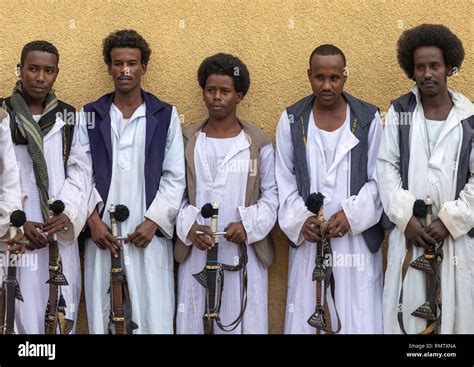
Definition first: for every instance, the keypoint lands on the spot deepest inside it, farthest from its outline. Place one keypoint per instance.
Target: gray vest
(362, 114)
(404, 106)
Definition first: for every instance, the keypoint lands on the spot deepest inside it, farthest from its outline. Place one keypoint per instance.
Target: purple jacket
(158, 116)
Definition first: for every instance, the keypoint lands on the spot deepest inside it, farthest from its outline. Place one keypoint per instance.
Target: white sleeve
(93, 197)
(292, 213)
(10, 189)
(185, 220)
(364, 210)
(167, 201)
(76, 188)
(397, 202)
(259, 219)
(458, 215)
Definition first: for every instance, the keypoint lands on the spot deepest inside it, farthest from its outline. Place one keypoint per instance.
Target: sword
(429, 264)
(55, 309)
(120, 317)
(11, 286)
(314, 203)
(322, 273)
(208, 277)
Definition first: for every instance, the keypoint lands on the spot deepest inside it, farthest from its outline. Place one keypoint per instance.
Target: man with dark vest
(426, 152)
(52, 165)
(327, 143)
(136, 147)
(231, 163)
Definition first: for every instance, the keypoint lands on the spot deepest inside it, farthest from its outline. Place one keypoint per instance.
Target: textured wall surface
(274, 38)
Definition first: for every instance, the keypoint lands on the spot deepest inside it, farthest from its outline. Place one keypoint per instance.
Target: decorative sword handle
(429, 210)
(113, 221)
(118, 214)
(215, 213)
(201, 233)
(429, 220)
(54, 236)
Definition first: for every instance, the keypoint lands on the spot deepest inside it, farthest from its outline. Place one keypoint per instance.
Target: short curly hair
(225, 64)
(429, 35)
(128, 38)
(43, 46)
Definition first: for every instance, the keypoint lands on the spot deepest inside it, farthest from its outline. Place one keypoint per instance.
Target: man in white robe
(439, 145)
(145, 172)
(10, 193)
(68, 173)
(222, 170)
(327, 143)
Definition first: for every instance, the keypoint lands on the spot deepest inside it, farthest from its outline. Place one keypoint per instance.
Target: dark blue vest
(158, 118)
(362, 114)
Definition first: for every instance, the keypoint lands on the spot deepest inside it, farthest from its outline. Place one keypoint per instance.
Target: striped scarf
(28, 131)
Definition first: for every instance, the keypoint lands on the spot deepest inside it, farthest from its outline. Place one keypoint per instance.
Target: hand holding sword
(101, 234)
(10, 290)
(203, 237)
(314, 227)
(16, 240)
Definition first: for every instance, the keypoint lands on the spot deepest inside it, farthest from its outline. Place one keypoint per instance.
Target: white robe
(222, 167)
(149, 271)
(357, 272)
(10, 193)
(70, 188)
(433, 175)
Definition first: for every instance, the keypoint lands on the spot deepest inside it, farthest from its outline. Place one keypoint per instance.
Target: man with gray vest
(327, 142)
(433, 124)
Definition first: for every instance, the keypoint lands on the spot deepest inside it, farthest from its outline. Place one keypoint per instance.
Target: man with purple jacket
(134, 141)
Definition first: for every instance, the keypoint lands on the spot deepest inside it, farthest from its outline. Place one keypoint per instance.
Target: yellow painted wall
(274, 38)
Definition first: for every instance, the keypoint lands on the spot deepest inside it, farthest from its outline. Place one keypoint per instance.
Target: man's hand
(102, 235)
(311, 230)
(36, 239)
(15, 246)
(415, 234)
(236, 233)
(338, 225)
(56, 223)
(143, 233)
(437, 230)
(202, 242)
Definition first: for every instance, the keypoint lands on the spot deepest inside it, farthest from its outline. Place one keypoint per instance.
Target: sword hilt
(429, 210)
(118, 213)
(430, 253)
(55, 207)
(215, 233)
(17, 219)
(215, 215)
(211, 211)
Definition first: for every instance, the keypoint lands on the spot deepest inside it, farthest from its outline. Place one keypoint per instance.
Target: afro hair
(126, 38)
(225, 64)
(429, 35)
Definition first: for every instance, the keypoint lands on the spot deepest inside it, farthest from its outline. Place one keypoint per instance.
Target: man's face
(38, 74)
(126, 68)
(327, 78)
(220, 96)
(430, 72)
